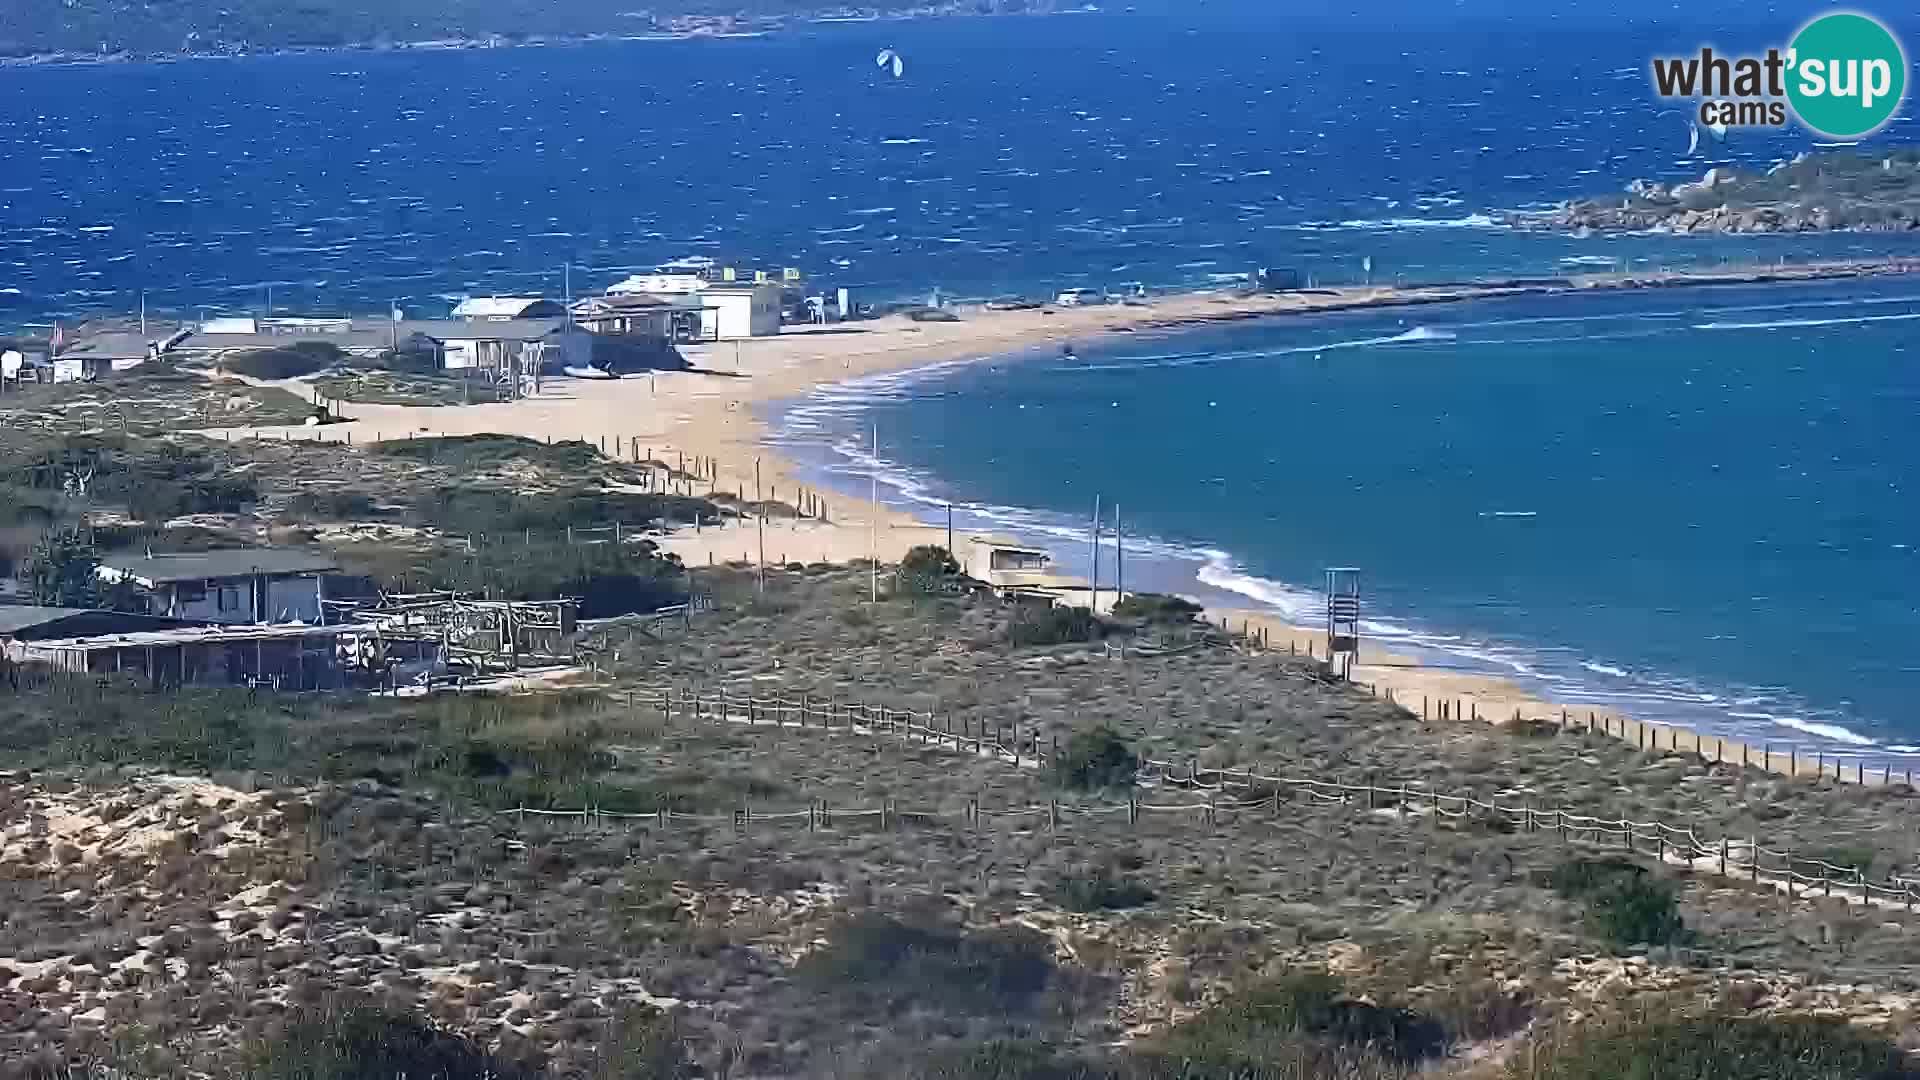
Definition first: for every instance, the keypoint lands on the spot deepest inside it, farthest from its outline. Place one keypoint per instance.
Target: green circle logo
(1846, 75)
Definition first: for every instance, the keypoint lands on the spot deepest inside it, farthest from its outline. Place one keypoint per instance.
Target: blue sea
(1697, 504)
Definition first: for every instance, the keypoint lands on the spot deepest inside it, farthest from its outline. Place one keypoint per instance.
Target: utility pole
(949, 530)
(1093, 594)
(873, 520)
(1119, 559)
(143, 314)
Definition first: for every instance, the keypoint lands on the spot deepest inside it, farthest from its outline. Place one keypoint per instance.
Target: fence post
(1053, 813)
(1753, 857)
(1133, 807)
(1723, 856)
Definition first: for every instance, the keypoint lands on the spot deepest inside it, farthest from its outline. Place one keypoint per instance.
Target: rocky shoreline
(1852, 192)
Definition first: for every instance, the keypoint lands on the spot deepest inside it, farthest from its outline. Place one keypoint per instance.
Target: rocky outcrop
(1811, 193)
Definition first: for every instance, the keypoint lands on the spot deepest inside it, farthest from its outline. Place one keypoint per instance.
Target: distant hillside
(37, 27)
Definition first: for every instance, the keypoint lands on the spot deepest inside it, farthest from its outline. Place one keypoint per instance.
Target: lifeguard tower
(1343, 620)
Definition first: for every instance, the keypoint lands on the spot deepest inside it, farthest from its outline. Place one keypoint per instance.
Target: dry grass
(196, 913)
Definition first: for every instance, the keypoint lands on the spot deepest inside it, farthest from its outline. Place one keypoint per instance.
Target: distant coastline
(689, 27)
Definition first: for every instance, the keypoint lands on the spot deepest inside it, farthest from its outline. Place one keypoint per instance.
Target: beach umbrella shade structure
(890, 59)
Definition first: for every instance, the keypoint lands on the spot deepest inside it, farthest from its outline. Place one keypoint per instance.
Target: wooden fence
(1261, 796)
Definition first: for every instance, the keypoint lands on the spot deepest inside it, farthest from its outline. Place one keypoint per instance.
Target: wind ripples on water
(830, 429)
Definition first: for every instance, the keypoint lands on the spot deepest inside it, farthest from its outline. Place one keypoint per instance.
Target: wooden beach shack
(1022, 573)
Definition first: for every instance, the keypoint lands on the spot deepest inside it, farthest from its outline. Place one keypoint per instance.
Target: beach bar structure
(289, 657)
(233, 585)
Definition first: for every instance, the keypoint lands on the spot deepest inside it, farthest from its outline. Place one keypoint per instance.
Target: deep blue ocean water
(1017, 154)
(1638, 499)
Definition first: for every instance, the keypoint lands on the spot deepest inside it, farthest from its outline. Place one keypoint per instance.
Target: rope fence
(1745, 859)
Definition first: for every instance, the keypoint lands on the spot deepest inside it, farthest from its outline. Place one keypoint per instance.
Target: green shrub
(330, 506)
(1101, 887)
(1265, 1024)
(475, 453)
(1002, 1060)
(1156, 608)
(641, 1046)
(416, 361)
(925, 570)
(607, 579)
(287, 361)
(362, 1043)
(491, 512)
(874, 959)
(1098, 758)
(60, 572)
(1642, 1047)
(1625, 904)
(1053, 626)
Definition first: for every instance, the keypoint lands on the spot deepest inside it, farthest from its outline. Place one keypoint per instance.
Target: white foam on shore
(1825, 731)
(1778, 324)
(1655, 697)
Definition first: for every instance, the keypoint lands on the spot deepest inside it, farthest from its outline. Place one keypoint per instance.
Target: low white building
(740, 311)
(239, 585)
(513, 345)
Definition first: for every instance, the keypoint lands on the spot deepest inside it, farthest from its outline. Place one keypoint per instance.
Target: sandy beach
(711, 413)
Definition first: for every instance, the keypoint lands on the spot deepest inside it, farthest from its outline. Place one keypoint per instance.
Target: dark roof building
(224, 564)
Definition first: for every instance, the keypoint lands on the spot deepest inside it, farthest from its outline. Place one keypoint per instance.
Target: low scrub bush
(1156, 609)
(330, 506)
(1097, 758)
(1105, 886)
(474, 453)
(925, 570)
(1625, 904)
(1053, 626)
(499, 515)
(870, 958)
(1266, 1023)
(608, 579)
(360, 1043)
(1686, 1047)
(292, 361)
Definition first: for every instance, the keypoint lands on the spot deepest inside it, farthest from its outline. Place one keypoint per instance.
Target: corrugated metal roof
(486, 330)
(15, 619)
(227, 563)
(502, 307)
(190, 635)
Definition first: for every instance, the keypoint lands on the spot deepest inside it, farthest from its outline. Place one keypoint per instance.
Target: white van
(1077, 297)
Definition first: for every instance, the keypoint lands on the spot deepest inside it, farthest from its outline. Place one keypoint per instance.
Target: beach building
(511, 345)
(1022, 573)
(639, 314)
(504, 308)
(731, 312)
(20, 624)
(730, 308)
(284, 657)
(237, 585)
